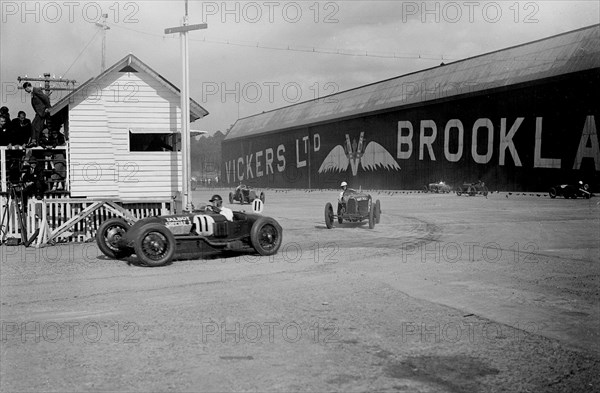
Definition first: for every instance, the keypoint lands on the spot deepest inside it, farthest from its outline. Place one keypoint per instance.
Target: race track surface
(446, 294)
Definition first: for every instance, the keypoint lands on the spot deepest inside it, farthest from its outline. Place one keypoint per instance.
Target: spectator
(59, 172)
(41, 105)
(56, 138)
(5, 131)
(44, 140)
(13, 171)
(4, 111)
(33, 179)
(21, 128)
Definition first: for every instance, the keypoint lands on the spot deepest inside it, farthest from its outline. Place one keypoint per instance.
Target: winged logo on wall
(371, 157)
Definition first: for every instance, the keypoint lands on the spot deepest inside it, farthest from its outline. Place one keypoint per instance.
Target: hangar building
(521, 118)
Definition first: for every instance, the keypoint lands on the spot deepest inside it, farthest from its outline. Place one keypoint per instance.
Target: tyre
(265, 236)
(155, 245)
(425, 189)
(339, 213)
(109, 233)
(458, 192)
(377, 211)
(484, 191)
(231, 198)
(371, 218)
(262, 197)
(328, 215)
(193, 185)
(471, 191)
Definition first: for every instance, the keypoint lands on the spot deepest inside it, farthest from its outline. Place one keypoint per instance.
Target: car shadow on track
(204, 256)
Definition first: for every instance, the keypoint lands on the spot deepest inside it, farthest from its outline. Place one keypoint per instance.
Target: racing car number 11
(204, 225)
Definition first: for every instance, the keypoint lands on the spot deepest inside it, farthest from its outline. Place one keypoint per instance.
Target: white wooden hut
(118, 125)
(122, 154)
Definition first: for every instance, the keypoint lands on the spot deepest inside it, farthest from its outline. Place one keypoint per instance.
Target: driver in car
(344, 186)
(217, 207)
(341, 201)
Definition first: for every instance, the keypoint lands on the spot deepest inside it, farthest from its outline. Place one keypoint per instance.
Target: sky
(257, 56)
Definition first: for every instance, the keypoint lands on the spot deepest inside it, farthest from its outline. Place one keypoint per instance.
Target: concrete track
(446, 294)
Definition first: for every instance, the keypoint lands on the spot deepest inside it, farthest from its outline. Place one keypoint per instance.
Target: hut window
(154, 142)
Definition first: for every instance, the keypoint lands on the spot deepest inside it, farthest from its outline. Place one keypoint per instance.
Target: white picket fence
(70, 219)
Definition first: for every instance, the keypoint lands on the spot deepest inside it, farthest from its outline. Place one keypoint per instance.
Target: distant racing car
(571, 191)
(440, 187)
(357, 207)
(154, 240)
(244, 194)
(472, 189)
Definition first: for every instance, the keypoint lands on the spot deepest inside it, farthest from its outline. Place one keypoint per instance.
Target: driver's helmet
(580, 182)
(216, 200)
(344, 184)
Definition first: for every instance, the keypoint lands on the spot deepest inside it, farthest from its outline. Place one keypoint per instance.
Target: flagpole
(185, 106)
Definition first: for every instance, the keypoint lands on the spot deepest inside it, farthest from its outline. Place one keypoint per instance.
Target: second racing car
(353, 206)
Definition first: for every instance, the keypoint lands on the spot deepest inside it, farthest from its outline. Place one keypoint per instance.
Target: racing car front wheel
(231, 198)
(155, 245)
(377, 211)
(328, 215)
(371, 218)
(265, 236)
(109, 233)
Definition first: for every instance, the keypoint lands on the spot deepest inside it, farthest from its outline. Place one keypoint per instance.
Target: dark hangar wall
(525, 137)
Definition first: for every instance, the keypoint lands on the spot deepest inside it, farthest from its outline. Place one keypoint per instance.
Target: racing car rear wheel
(377, 211)
(262, 197)
(265, 236)
(458, 192)
(371, 219)
(328, 215)
(109, 233)
(231, 198)
(484, 191)
(552, 193)
(155, 245)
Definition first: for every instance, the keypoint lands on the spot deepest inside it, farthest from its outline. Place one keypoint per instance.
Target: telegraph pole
(47, 79)
(104, 27)
(185, 105)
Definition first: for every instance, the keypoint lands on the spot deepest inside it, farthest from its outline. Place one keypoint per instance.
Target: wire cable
(282, 47)
(80, 53)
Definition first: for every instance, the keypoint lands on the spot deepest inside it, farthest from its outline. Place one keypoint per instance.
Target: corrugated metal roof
(565, 53)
